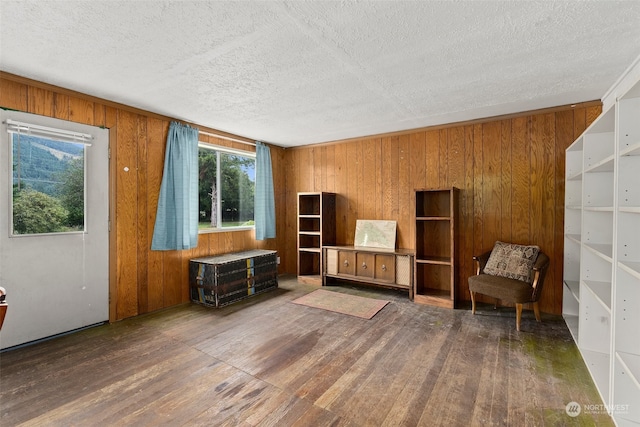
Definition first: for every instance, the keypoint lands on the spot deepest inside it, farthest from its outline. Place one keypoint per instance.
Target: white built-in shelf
(629, 209)
(574, 288)
(602, 291)
(599, 208)
(575, 176)
(632, 150)
(603, 250)
(604, 165)
(572, 321)
(631, 363)
(574, 238)
(602, 169)
(598, 365)
(630, 267)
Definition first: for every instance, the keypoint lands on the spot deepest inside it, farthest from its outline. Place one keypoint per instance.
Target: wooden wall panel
(142, 280)
(40, 102)
(510, 172)
(142, 234)
(405, 211)
(156, 137)
(127, 214)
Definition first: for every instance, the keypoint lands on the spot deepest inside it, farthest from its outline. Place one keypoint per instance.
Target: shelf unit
(435, 276)
(601, 292)
(316, 228)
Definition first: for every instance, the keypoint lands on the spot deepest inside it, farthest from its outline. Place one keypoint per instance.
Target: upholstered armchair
(511, 273)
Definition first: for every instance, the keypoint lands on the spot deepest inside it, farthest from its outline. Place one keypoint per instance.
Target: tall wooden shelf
(601, 292)
(316, 228)
(435, 277)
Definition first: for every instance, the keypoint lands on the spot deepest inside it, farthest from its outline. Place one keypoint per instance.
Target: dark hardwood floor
(267, 362)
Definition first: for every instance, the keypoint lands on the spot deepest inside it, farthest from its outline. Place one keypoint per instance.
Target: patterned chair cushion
(512, 261)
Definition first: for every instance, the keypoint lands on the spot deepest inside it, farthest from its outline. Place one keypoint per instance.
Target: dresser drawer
(347, 263)
(385, 268)
(365, 264)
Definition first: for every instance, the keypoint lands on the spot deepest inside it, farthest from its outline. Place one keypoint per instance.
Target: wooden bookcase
(435, 276)
(601, 292)
(316, 228)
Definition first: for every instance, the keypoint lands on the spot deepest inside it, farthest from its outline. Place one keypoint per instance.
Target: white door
(57, 280)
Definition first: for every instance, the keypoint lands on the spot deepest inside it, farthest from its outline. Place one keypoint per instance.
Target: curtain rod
(226, 137)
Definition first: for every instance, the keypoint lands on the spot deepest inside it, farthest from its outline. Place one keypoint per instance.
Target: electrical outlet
(278, 260)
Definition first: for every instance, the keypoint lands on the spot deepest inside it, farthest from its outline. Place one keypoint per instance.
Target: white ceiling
(294, 73)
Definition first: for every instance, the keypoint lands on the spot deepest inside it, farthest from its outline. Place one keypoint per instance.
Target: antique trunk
(223, 279)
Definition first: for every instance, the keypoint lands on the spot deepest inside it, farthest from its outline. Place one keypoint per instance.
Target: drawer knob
(384, 267)
(346, 263)
(364, 265)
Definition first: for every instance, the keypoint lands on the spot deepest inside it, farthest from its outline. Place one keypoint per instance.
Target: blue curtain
(176, 224)
(264, 204)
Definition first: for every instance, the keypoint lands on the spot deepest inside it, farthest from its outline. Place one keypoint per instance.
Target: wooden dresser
(391, 268)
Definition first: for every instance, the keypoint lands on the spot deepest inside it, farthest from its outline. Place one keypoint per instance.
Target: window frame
(219, 149)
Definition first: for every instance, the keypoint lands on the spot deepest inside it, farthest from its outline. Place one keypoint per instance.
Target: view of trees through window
(48, 185)
(225, 193)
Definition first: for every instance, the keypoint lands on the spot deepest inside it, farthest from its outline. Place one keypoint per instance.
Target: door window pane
(48, 183)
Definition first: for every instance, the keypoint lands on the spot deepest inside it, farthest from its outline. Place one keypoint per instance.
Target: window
(225, 192)
(48, 180)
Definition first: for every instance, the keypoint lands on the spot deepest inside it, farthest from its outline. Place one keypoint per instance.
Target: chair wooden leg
(536, 311)
(518, 316)
(473, 302)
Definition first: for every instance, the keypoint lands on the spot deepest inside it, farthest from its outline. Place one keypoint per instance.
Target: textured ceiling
(294, 73)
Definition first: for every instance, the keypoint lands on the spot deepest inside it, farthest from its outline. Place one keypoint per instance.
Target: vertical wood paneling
(126, 215)
(466, 220)
(432, 159)
(510, 173)
(543, 192)
(520, 179)
(404, 196)
(40, 101)
(506, 175)
(99, 118)
(368, 171)
(378, 169)
(14, 95)
(491, 188)
(61, 106)
(478, 184)
(330, 167)
(342, 187)
(417, 176)
(143, 236)
(443, 162)
(353, 176)
(156, 137)
(81, 110)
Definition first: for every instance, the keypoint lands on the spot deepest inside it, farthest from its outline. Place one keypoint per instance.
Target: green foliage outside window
(233, 201)
(48, 185)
